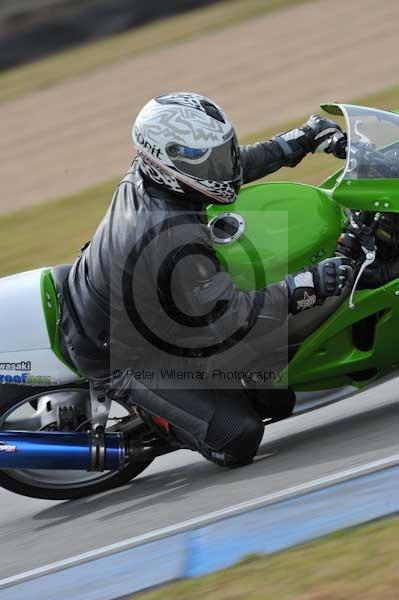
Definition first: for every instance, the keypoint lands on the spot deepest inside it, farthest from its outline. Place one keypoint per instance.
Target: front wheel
(34, 409)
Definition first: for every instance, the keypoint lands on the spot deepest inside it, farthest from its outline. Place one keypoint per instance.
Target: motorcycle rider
(149, 290)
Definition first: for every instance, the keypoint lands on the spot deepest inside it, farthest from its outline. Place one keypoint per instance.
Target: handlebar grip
(337, 145)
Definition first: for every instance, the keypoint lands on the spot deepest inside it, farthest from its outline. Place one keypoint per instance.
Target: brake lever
(369, 249)
(370, 258)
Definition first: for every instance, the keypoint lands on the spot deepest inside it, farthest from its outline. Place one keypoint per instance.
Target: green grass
(52, 233)
(80, 60)
(353, 564)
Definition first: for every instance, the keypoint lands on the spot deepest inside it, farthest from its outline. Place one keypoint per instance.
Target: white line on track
(204, 519)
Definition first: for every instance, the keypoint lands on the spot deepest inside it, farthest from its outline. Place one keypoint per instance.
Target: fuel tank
(274, 229)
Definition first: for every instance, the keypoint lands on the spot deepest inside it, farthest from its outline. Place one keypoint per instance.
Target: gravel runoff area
(264, 72)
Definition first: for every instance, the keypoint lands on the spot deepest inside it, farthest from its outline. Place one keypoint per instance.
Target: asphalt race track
(181, 486)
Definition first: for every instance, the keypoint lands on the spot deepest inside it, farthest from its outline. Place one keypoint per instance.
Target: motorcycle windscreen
(370, 180)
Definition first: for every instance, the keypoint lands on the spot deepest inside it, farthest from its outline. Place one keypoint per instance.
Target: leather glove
(313, 286)
(312, 136)
(319, 131)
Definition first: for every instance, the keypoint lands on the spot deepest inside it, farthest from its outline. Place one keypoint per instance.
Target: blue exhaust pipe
(61, 451)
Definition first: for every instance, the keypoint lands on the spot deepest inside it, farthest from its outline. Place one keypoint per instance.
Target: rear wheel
(32, 409)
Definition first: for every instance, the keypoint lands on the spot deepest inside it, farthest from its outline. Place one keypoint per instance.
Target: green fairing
(330, 353)
(373, 195)
(51, 315)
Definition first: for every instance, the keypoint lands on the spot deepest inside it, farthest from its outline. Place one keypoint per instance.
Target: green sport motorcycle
(58, 441)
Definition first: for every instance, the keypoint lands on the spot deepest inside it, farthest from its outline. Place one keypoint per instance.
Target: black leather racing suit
(148, 296)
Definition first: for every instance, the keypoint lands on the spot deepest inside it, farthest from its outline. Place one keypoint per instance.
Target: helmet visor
(214, 164)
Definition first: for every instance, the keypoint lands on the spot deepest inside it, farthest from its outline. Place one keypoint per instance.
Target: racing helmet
(186, 143)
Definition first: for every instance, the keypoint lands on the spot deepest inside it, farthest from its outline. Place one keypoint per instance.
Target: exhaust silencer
(62, 451)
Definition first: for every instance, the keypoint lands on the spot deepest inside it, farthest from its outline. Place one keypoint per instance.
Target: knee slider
(245, 443)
